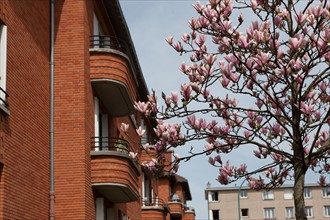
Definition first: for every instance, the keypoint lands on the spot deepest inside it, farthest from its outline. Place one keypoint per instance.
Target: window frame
(243, 194)
(247, 212)
(214, 196)
(3, 63)
(309, 211)
(268, 194)
(326, 211)
(288, 194)
(289, 214)
(269, 213)
(326, 192)
(307, 193)
(215, 211)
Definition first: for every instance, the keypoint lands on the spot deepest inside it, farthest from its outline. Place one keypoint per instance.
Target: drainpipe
(239, 200)
(52, 192)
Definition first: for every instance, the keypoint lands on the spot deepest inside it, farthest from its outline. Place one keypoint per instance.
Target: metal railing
(189, 209)
(3, 97)
(110, 42)
(175, 198)
(111, 144)
(152, 202)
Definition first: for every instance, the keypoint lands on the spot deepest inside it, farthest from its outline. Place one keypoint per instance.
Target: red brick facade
(97, 79)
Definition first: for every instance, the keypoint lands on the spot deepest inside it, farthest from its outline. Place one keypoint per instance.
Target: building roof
(185, 184)
(228, 188)
(116, 15)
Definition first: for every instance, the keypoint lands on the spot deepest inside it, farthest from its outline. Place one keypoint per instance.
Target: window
(3, 62)
(288, 194)
(243, 193)
(215, 214)
(214, 196)
(245, 212)
(269, 213)
(307, 193)
(100, 209)
(326, 211)
(326, 192)
(146, 189)
(289, 212)
(268, 194)
(309, 211)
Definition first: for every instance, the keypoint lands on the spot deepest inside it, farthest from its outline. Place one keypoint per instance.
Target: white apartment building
(241, 202)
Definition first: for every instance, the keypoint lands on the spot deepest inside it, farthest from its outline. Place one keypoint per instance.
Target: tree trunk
(298, 191)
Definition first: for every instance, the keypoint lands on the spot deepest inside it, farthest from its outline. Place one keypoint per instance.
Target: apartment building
(165, 196)
(244, 203)
(69, 76)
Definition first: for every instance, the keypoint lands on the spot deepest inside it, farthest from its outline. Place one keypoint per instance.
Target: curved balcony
(189, 213)
(176, 208)
(112, 75)
(153, 208)
(114, 173)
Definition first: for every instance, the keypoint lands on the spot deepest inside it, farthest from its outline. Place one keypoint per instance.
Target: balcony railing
(3, 97)
(189, 209)
(114, 172)
(109, 42)
(152, 202)
(111, 144)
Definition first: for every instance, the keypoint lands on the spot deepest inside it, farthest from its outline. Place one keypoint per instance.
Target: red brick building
(70, 142)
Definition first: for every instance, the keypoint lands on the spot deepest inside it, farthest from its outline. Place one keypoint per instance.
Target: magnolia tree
(263, 83)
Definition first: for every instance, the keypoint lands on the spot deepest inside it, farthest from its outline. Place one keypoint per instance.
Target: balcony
(114, 174)
(176, 207)
(153, 208)
(112, 75)
(189, 212)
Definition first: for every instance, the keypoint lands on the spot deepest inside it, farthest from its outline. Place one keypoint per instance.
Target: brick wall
(24, 180)
(73, 112)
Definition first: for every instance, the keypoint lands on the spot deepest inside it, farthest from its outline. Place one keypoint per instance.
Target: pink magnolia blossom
(300, 18)
(259, 119)
(198, 7)
(186, 91)
(132, 155)
(174, 97)
(306, 109)
(322, 180)
(209, 147)
(247, 134)
(178, 47)
(259, 103)
(295, 43)
(191, 120)
(169, 40)
(211, 161)
(242, 169)
(141, 106)
(210, 58)
(185, 38)
(124, 127)
(176, 156)
(243, 42)
(306, 139)
(278, 21)
(224, 81)
(218, 159)
(223, 178)
(254, 4)
(140, 131)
